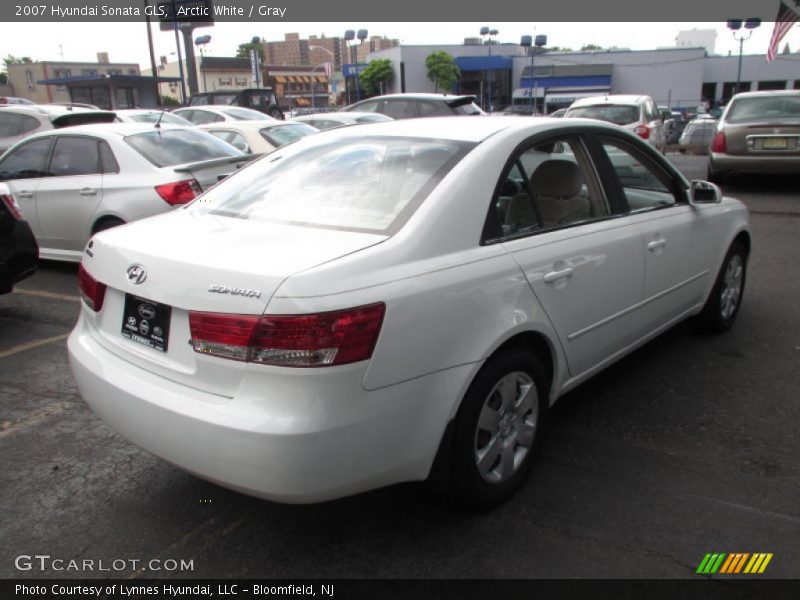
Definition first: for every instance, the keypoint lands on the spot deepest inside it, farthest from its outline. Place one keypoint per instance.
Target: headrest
(559, 178)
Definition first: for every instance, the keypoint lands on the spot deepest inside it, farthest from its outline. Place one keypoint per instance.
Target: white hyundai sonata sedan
(397, 302)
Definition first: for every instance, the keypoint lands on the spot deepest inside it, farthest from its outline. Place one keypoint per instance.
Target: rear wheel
(715, 176)
(276, 113)
(498, 428)
(723, 304)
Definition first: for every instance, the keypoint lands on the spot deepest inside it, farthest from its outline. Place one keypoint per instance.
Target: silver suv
(637, 113)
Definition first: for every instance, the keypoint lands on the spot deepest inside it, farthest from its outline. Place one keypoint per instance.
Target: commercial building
(500, 74)
(316, 50)
(26, 78)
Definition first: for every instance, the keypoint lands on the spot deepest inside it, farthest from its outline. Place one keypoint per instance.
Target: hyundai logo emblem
(136, 274)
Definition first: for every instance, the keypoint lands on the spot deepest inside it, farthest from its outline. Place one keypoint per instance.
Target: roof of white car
(622, 99)
(107, 130)
(423, 96)
(48, 109)
(342, 116)
(246, 124)
(466, 128)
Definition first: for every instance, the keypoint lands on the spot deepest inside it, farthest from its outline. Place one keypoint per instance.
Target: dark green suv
(260, 99)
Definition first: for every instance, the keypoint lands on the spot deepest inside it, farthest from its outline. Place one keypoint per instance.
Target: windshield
(246, 114)
(280, 135)
(764, 108)
(179, 146)
(355, 184)
(612, 113)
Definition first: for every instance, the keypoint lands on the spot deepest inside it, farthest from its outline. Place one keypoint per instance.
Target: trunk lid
(209, 172)
(768, 137)
(199, 263)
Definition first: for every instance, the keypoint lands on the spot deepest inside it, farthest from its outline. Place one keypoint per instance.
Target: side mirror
(704, 192)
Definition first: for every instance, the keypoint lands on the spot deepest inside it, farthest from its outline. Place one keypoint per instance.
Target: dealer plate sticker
(146, 322)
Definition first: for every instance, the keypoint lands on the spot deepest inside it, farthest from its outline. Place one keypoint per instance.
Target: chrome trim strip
(575, 335)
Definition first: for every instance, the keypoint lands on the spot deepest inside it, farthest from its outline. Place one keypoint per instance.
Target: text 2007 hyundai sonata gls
(369, 302)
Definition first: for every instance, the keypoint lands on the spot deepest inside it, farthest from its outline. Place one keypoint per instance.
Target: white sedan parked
(331, 120)
(258, 137)
(71, 183)
(396, 301)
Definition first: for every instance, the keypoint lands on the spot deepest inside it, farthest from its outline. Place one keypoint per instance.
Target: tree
(442, 70)
(590, 47)
(243, 51)
(375, 75)
(14, 60)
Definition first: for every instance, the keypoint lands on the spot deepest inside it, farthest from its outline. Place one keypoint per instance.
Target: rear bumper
(290, 435)
(739, 163)
(19, 255)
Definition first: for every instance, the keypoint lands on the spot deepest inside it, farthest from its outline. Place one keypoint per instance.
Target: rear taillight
(92, 291)
(317, 340)
(643, 131)
(179, 192)
(719, 144)
(11, 205)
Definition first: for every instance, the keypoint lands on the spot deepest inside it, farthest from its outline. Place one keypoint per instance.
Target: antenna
(158, 123)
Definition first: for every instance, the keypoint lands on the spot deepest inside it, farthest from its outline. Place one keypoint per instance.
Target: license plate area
(146, 322)
(775, 143)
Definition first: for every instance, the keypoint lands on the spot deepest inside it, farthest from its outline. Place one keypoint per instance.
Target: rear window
(281, 135)
(763, 108)
(179, 146)
(356, 184)
(612, 113)
(371, 118)
(245, 114)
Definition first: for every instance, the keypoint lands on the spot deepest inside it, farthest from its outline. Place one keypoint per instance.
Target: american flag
(787, 17)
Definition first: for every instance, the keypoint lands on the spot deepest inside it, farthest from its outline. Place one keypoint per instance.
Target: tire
(276, 113)
(723, 304)
(107, 224)
(498, 427)
(714, 176)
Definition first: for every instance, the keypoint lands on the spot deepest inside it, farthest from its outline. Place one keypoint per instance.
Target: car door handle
(656, 244)
(88, 192)
(24, 194)
(552, 276)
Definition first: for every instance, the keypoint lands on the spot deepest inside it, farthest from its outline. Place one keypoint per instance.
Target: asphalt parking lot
(688, 446)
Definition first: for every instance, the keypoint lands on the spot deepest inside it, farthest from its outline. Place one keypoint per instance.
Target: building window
(132, 72)
(88, 71)
(771, 85)
(115, 71)
(797, 84)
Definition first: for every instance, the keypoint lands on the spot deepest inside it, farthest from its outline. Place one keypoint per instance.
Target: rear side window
(28, 124)
(107, 159)
(400, 109)
(201, 117)
(433, 109)
(75, 156)
(765, 107)
(26, 161)
(179, 146)
(357, 184)
(611, 113)
(283, 134)
(10, 124)
(370, 119)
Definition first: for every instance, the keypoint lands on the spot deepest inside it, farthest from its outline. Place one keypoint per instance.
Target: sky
(127, 42)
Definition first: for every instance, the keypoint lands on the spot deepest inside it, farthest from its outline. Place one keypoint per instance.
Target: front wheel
(498, 428)
(723, 304)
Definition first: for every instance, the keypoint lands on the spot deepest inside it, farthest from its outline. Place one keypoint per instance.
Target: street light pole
(485, 31)
(735, 25)
(332, 63)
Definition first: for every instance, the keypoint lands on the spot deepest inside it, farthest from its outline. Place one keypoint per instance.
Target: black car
(411, 106)
(260, 99)
(19, 252)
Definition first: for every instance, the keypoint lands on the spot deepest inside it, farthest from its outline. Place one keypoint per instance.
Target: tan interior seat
(556, 187)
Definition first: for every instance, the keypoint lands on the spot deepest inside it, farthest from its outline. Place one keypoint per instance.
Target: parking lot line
(31, 345)
(43, 294)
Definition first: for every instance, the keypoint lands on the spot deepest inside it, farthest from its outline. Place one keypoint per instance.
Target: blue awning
(483, 63)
